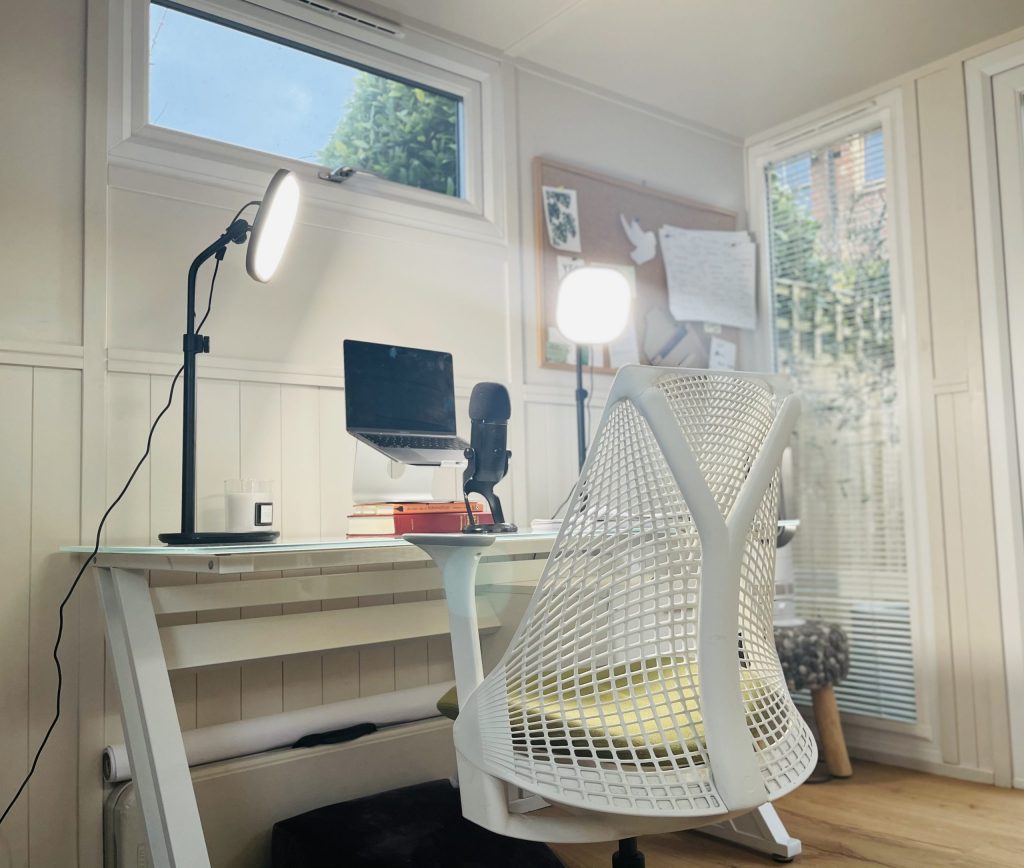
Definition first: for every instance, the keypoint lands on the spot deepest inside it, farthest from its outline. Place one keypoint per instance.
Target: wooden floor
(880, 816)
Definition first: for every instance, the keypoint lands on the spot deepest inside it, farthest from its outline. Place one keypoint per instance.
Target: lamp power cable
(95, 549)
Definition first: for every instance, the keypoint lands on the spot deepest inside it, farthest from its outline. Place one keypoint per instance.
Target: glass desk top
(289, 555)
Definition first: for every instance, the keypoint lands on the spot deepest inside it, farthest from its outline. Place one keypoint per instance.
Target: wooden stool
(816, 656)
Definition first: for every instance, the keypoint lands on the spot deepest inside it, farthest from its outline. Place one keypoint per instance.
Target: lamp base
(220, 538)
(500, 527)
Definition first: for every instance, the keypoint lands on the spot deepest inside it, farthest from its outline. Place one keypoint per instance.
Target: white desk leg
(151, 728)
(760, 830)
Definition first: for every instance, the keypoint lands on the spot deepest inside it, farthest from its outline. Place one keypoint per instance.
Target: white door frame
(979, 76)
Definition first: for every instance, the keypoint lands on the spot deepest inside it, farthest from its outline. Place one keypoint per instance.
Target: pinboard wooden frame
(600, 201)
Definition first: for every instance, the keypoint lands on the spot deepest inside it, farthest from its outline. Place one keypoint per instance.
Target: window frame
(886, 111)
(416, 58)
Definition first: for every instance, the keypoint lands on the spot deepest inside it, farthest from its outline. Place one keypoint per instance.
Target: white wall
(269, 397)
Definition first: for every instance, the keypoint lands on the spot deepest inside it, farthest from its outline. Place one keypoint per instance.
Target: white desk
(142, 652)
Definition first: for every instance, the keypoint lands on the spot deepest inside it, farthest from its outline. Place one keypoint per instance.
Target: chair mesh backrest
(597, 701)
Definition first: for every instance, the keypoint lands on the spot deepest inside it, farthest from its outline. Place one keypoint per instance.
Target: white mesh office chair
(642, 692)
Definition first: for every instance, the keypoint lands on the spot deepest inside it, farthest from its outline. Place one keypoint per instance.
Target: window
(795, 175)
(874, 157)
(833, 333)
(304, 104)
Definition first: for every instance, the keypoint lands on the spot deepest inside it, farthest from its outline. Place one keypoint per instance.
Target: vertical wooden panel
(217, 449)
(975, 625)
(15, 593)
(412, 667)
(376, 664)
(165, 516)
(218, 690)
(337, 457)
(165, 459)
(183, 684)
(303, 681)
(128, 420)
(300, 520)
(988, 676)
(949, 223)
(341, 668)
(56, 468)
(957, 627)
(260, 457)
(551, 462)
(128, 411)
(300, 463)
(439, 652)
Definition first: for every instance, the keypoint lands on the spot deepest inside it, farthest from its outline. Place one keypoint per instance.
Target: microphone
(488, 455)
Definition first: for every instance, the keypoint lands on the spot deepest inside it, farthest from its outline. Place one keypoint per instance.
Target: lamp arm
(235, 233)
(193, 345)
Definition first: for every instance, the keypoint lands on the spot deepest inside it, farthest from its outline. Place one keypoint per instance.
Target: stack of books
(383, 520)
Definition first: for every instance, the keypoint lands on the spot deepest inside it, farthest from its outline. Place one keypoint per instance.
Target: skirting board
(921, 764)
(240, 800)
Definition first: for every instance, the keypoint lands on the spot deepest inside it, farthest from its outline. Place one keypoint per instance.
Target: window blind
(833, 328)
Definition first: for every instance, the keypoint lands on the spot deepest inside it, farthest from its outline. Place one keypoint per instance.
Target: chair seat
(637, 712)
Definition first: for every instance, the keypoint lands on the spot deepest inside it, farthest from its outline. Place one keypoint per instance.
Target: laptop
(401, 401)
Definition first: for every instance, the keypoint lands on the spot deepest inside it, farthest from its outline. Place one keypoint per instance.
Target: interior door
(1008, 106)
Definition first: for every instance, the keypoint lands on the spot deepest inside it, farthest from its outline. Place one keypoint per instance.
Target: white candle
(247, 506)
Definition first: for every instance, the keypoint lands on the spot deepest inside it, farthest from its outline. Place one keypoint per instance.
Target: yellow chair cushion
(601, 713)
(448, 704)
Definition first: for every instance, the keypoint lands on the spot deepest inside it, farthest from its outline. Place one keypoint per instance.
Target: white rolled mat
(244, 737)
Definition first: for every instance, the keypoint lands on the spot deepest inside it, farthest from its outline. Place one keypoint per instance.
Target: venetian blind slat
(833, 318)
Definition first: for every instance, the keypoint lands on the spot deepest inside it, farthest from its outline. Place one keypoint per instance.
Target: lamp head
(593, 305)
(273, 226)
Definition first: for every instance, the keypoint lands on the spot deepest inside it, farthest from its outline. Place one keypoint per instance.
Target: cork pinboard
(600, 202)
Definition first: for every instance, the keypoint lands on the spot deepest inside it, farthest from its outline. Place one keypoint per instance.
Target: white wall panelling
(993, 102)
(40, 431)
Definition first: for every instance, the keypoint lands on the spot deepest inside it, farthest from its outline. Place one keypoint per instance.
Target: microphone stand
(486, 490)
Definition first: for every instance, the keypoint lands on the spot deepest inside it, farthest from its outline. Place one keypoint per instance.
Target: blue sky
(223, 84)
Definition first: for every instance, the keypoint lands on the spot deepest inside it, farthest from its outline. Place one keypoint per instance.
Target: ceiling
(740, 66)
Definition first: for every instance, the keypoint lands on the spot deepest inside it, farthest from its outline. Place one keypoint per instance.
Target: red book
(392, 508)
(412, 522)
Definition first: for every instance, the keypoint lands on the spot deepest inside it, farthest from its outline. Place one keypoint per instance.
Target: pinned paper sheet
(562, 350)
(568, 263)
(711, 276)
(562, 216)
(721, 355)
(559, 348)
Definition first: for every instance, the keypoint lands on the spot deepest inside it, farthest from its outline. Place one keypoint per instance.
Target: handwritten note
(711, 276)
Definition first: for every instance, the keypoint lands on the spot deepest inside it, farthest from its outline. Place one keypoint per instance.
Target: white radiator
(240, 800)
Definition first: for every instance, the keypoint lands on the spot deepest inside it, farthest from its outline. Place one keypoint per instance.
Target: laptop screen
(389, 388)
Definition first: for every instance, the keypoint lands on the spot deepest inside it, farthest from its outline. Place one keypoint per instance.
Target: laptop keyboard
(414, 441)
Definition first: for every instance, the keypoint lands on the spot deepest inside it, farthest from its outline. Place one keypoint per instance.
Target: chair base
(628, 856)
(761, 830)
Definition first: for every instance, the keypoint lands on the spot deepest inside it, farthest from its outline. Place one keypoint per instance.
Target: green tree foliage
(833, 307)
(794, 238)
(402, 133)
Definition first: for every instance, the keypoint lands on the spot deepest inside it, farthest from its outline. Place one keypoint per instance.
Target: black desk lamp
(268, 236)
(593, 308)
